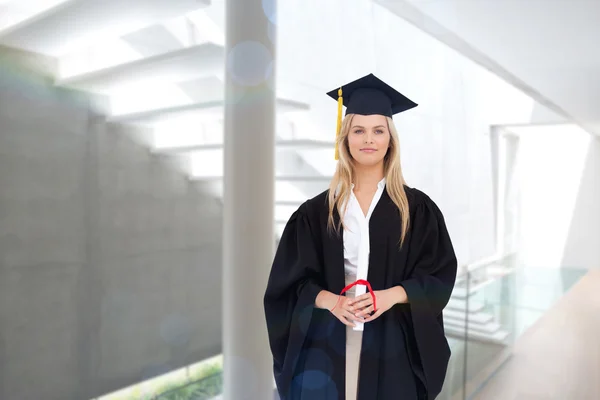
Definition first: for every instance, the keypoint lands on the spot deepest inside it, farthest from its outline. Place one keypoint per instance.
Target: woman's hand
(345, 312)
(386, 299)
(338, 306)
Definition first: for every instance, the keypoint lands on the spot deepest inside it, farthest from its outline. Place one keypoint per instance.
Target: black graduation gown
(404, 347)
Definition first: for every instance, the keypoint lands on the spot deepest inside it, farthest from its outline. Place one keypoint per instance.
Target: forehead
(369, 120)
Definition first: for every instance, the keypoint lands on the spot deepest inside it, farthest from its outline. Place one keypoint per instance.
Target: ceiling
(547, 48)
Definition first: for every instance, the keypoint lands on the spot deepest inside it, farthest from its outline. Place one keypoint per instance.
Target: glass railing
(494, 302)
(480, 335)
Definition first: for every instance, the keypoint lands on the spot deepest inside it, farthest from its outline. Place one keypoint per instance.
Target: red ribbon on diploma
(358, 282)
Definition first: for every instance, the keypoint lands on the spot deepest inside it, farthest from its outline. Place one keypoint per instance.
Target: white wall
(548, 172)
(445, 141)
(582, 248)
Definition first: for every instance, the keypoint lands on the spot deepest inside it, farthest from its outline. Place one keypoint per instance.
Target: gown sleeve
(433, 265)
(293, 285)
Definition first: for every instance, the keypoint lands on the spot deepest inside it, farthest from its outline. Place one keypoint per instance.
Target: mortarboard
(367, 96)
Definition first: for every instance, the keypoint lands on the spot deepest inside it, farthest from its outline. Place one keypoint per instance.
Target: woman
(362, 271)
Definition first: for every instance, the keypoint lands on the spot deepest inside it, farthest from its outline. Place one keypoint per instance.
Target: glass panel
(455, 334)
(491, 321)
(515, 297)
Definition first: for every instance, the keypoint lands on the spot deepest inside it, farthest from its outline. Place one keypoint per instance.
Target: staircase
(159, 65)
(467, 315)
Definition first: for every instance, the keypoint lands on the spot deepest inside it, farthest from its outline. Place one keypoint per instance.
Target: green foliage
(203, 385)
(204, 381)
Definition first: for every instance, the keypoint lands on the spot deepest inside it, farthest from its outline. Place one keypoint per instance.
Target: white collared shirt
(356, 241)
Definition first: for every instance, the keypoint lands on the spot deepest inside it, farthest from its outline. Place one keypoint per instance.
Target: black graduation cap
(369, 95)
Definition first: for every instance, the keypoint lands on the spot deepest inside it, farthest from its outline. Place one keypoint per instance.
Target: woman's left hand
(386, 299)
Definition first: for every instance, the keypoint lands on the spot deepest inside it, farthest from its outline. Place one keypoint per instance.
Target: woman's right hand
(338, 306)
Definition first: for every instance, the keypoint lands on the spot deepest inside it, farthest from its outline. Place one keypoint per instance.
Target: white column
(248, 230)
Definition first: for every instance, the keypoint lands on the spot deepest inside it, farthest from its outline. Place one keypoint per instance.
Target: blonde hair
(341, 184)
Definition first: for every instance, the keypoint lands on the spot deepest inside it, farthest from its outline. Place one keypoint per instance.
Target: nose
(368, 138)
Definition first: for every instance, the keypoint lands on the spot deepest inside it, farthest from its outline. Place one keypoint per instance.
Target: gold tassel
(339, 122)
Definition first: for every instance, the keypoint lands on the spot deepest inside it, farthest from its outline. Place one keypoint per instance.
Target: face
(369, 139)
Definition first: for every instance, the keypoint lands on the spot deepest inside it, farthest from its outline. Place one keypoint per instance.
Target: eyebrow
(358, 126)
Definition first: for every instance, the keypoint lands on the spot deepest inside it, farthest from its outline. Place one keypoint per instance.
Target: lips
(368, 150)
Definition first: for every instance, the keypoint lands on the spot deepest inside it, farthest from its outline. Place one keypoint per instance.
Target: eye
(358, 131)
(379, 131)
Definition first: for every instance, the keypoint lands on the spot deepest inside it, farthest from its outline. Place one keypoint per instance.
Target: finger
(346, 318)
(363, 303)
(356, 303)
(346, 302)
(351, 308)
(347, 305)
(364, 311)
(353, 317)
(374, 316)
(360, 298)
(344, 321)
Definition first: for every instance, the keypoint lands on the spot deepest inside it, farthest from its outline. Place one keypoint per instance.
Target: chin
(368, 161)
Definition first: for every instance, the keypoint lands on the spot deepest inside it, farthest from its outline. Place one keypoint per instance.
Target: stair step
(479, 317)
(461, 305)
(277, 178)
(188, 64)
(50, 32)
(292, 143)
(209, 107)
(498, 337)
(460, 292)
(488, 327)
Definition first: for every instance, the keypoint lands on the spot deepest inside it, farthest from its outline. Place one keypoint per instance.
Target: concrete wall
(108, 255)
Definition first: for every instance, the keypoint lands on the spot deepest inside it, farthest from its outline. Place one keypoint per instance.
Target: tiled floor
(558, 358)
